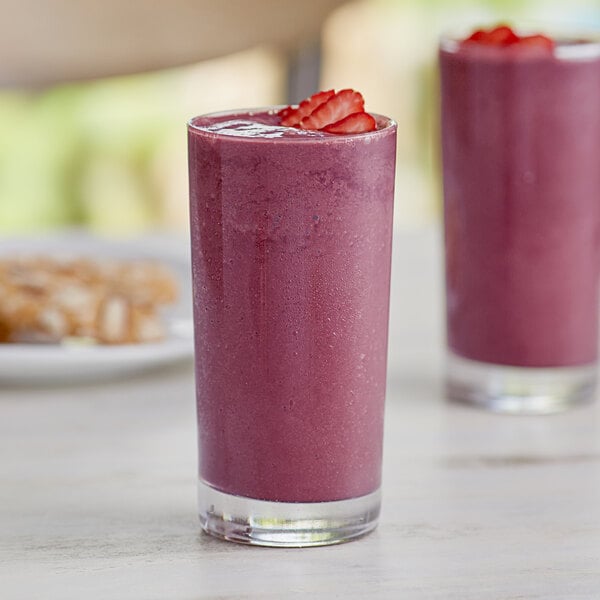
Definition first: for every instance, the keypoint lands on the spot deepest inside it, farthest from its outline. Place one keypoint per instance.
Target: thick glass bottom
(285, 524)
(518, 390)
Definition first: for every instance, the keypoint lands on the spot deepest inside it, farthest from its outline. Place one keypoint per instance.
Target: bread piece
(111, 302)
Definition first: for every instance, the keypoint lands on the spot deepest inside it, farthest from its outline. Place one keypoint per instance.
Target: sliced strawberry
(537, 41)
(505, 36)
(284, 112)
(344, 103)
(477, 36)
(501, 36)
(291, 117)
(358, 122)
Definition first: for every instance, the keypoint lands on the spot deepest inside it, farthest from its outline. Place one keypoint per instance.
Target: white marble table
(97, 490)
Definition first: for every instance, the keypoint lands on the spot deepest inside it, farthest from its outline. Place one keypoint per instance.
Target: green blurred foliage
(37, 141)
(82, 154)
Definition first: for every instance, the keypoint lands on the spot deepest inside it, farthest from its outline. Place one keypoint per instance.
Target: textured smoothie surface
(291, 241)
(521, 145)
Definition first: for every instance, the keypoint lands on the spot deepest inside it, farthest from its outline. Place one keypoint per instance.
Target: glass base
(285, 524)
(518, 390)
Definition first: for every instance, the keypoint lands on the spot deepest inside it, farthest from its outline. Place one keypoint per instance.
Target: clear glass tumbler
(291, 247)
(521, 147)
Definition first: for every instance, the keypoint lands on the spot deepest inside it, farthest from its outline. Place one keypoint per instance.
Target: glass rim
(389, 125)
(587, 38)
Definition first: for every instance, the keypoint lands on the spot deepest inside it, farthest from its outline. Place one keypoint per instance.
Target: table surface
(97, 489)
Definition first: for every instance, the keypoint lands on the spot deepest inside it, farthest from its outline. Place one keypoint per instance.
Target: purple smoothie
(291, 243)
(521, 166)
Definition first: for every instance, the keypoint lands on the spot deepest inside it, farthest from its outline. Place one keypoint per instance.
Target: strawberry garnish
(343, 112)
(344, 103)
(537, 41)
(359, 122)
(285, 112)
(479, 35)
(290, 117)
(502, 35)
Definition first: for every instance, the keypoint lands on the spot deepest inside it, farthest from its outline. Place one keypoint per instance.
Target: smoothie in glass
(291, 244)
(521, 141)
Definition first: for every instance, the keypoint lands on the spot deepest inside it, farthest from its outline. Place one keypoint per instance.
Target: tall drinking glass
(521, 167)
(291, 244)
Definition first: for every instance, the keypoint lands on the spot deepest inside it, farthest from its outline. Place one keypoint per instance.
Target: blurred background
(94, 96)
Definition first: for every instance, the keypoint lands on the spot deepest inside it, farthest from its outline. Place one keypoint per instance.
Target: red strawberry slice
(342, 104)
(501, 36)
(505, 36)
(537, 41)
(477, 36)
(291, 117)
(284, 112)
(359, 122)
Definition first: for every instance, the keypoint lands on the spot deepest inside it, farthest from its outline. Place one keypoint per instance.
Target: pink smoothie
(291, 243)
(521, 163)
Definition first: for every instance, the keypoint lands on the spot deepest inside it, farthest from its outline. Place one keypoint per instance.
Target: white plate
(40, 363)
